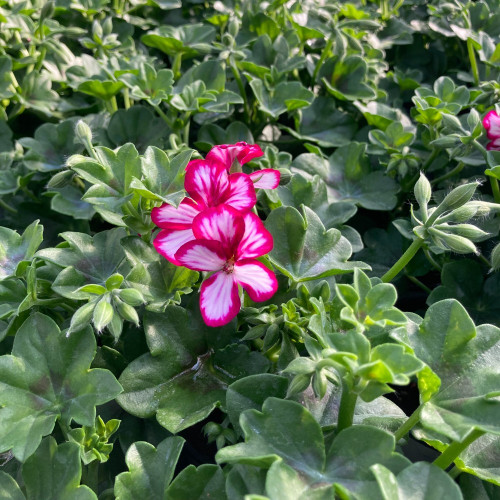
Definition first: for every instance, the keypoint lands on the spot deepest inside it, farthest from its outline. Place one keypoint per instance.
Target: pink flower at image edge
(491, 123)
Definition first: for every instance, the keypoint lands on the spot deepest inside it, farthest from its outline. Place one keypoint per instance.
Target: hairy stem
(451, 173)
(403, 261)
(412, 421)
(347, 406)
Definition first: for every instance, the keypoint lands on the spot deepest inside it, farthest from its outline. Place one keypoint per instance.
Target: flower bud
(126, 312)
(461, 214)
(114, 281)
(107, 26)
(81, 318)
(47, 10)
(495, 258)
(459, 196)
(97, 30)
(298, 384)
(131, 296)
(83, 132)
(466, 230)
(103, 314)
(454, 242)
(60, 179)
(233, 27)
(422, 191)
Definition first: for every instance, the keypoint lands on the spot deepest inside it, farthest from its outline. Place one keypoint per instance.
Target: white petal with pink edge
(169, 241)
(268, 178)
(258, 281)
(227, 153)
(491, 123)
(169, 217)
(219, 299)
(241, 193)
(206, 182)
(222, 223)
(202, 255)
(256, 240)
(493, 145)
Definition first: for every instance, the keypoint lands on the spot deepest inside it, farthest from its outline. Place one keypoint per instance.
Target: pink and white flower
(227, 244)
(491, 123)
(209, 185)
(241, 152)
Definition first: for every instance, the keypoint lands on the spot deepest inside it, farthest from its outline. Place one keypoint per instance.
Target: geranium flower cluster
(491, 123)
(215, 230)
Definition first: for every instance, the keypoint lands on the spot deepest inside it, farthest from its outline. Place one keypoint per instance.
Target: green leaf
(186, 375)
(43, 380)
(286, 96)
(475, 489)
(163, 179)
(349, 177)
(52, 472)
(150, 470)
(87, 260)
(150, 85)
(68, 201)
(431, 483)
(51, 146)
(17, 249)
(137, 125)
(251, 392)
(211, 73)
(202, 483)
(286, 433)
(103, 90)
(324, 124)
(349, 80)
(303, 250)
(463, 357)
(160, 282)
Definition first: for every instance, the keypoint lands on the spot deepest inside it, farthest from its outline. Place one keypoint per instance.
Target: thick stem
(495, 189)
(126, 98)
(403, 261)
(176, 65)
(473, 62)
(347, 406)
(455, 448)
(409, 424)
(322, 57)
(114, 104)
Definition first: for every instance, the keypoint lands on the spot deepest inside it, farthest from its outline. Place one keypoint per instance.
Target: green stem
(429, 160)
(403, 261)
(319, 64)
(126, 98)
(176, 65)
(109, 107)
(41, 58)
(114, 104)
(455, 448)
(241, 88)
(473, 62)
(165, 118)
(495, 189)
(187, 123)
(417, 282)
(451, 173)
(7, 207)
(347, 406)
(455, 472)
(409, 424)
(433, 262)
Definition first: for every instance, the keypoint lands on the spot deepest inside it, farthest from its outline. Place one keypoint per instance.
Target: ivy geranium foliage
(249, 250)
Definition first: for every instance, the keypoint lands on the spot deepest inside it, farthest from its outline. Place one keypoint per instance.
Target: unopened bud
(298, 384)
(233, 27)
(83, 133)
(131, 296)
(466, 230)
(319, 384)
(47, 10)
(126, 312)
(114, 281)
(462, 214)
(60, 179)
(103, 314)
(459, 196)
(97, 30)
(81, 318)
(423, 191)
(454, 242)
(495, 258)
(107, 26)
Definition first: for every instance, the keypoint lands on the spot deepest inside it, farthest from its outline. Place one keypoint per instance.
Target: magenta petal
(206, 182)
(493, 145)
(202, 255)
(227, 153)
(241, 192)
(169, 217)
(258, 281)
(169, 241)
(256, 240)
(222, 223)
(491, 123)
(219, 299)
(268, 178)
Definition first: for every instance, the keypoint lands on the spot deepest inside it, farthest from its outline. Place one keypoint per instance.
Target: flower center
(229, 266)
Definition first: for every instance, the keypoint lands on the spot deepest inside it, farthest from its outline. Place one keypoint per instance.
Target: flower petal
(169, 241)
(169, 217)
(268, 178)
(227, 153)
(219, 299)
(491, 123)
(202, 255)
(259, 282)
(241, 193)
(222, 223)
(256, 240)
(493, 145)
(206, 182)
